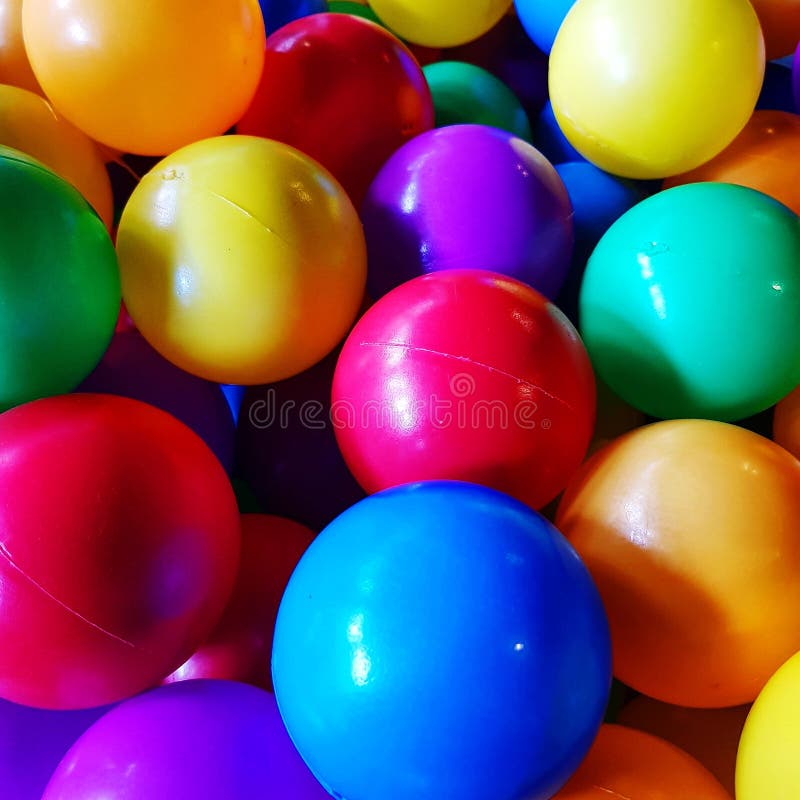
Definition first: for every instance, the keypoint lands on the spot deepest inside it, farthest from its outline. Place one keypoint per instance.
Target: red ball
(240, 649)
(465, 375)
(344, 91)
(120, 543)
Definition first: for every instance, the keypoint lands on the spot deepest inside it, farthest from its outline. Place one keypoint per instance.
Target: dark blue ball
(278, 13)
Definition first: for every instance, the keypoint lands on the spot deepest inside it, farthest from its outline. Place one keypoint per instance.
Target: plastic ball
(287, 450)
(440, 23)
(709, 735)
(214, 740)
(767, 765)
(142, 546)
(780, 21)
(786, 424)
(58, 279)
(240, 647)
(242, 260)
(131, 368)
(762, 157)
(683, 526)
(542, 20)
(645, 106)
(633, 765)
(550, 140)
(146, 78)
(468, 197)
(464, 93)
(465, 375)
(777, 93)
(15, 69)
(356, 9)
(685, 298)
(342, 90)
(796, 80)
(441, 640)
(278, 13)
(234, 395)
(32, 742)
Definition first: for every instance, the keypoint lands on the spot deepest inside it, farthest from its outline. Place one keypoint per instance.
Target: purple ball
(287, 451)
(32, 742)
(207, 740)
(132, 368)
(796, 77)
(468, 197)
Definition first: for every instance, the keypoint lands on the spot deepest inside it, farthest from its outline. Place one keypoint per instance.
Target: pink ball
(465, 375)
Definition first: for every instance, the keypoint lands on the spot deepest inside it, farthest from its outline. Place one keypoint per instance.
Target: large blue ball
(441, 641)
(542, 19)
(278, 13)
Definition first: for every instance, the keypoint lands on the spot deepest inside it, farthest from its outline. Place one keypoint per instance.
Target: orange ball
(762, 157)
(709, 735)
(15, 69)
(629, 764)
(786, 424)
(147, 78)
(780, 21)
(690, 529)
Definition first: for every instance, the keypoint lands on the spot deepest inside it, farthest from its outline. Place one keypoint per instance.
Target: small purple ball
(796, 77)
(206, 740)
(468, 197)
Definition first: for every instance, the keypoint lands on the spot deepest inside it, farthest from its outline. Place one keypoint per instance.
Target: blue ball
(542, 19)
(441, 640)
(777, 92)
(550, 141)
(278, 13)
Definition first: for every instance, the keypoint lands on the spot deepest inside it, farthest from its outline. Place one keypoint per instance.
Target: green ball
(59, 283)
(464, 94)
(355, 9)
(690, 306)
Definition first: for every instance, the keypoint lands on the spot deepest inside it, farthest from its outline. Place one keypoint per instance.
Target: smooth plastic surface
(625, 763)
(58, 279)
(119, 537)
(240, 648)
(242, 260)
(287, 450)
(786, 424)
(344, 91)
(683, 525)
(465, 375)
(780, 21)
(441, 640)
(761, 157)
(278, 13)
(464, 94)
(440, 23)
(213, 740)
(690, 303)
(642, 105)
(550, 139)
(468, 197)
(356, 9)
(147, 78)
(15, 69)
(543, 19)
(131, 368)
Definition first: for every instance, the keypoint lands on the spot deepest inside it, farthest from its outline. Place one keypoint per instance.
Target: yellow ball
(242, 260)
(440, 23)
(652, 88)
(768, 763)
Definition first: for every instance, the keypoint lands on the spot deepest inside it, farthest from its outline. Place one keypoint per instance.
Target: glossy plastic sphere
(464, 375)
(242, 260)
(767, 765)
(709, 735)
(213, 740)
(287, 450)
(278, 13)
(146, 77)
(344, 91)
(440, 23)
(131, 368)
(777, 93)
(625, 763)
(120, 543)
(441, 640)
(761, 157)
(543, 19)
(15, 69)
(463, 93)
(550, 140)
(58, 279)
(796, 79)
(468, 197)
(690, 303)
(240, 648)
(683, 526)
(780, 21)
(607, 69)
(786, 426)
(32, 742)
(356, 9)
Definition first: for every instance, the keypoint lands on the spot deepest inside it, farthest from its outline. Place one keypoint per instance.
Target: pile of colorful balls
(399, 401)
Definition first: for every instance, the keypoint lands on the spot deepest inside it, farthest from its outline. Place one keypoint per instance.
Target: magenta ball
(199, 740)
(468, 197)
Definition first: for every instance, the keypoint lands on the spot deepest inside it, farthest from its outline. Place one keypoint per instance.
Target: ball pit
(348, 657)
